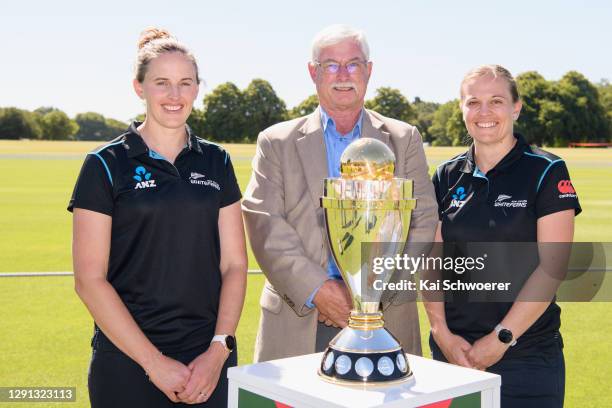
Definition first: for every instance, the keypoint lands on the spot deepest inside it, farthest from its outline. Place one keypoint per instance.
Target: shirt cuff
(309, 303)
(314, 292)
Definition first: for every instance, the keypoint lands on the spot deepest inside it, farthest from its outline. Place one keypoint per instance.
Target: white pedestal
(293, 382)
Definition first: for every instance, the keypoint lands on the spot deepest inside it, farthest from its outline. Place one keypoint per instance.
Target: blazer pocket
(271, 300)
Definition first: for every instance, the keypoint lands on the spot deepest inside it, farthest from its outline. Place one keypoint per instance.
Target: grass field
(45, 329)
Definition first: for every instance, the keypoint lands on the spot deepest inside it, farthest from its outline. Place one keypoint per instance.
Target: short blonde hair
(498, 72)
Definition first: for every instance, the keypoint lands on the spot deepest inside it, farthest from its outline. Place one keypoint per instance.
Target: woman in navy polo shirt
(503, 190)
(158, 246)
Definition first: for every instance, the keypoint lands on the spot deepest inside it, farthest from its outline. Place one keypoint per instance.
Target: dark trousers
(325, 334)
(536, 380)
(117, 381)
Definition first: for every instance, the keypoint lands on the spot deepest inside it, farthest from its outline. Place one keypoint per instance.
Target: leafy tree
(139, 118)
(424, 112)
(306, 107)
(447, 128)
(43, 110)
(391, 103)
(262, 108)
(114, 128)
(551, 117)
(605, 98)
(18, 124)
(535, 93)
(56, 125)
(223, 114)
(196, 122)
(92, 126)
(584, 119)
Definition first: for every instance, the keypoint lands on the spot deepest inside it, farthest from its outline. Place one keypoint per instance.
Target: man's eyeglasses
(332, 67)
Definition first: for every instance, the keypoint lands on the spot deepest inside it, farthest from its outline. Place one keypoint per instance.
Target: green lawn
(45, 329)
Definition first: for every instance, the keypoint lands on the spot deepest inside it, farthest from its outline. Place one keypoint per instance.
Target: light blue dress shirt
(335, 143)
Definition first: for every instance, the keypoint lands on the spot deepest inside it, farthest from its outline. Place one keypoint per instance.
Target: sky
(78, 55)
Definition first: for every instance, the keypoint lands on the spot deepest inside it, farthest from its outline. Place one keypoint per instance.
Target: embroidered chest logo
(458, 199)
(143, 178)
(200, 179)
(504, 200)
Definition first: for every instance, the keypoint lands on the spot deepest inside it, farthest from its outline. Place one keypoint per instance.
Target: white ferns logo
(197, 178)
(505, 200)
(143, 178)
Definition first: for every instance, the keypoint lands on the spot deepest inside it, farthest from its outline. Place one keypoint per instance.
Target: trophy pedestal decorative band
(367, 214)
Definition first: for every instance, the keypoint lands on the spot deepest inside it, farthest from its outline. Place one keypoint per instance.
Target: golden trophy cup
(367, 214)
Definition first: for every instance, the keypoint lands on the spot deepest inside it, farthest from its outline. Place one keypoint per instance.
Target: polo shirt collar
(469, 166)
(136, 146)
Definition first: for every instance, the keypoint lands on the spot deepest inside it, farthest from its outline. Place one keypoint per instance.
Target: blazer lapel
(371, 127)
(313, 155)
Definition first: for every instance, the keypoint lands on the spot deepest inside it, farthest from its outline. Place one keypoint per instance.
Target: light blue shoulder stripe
(96, 153)
(546, 171)
(550, 164)
(107, 146)
(108, 173)
(538, 155)
(199, 139)
(463, 156)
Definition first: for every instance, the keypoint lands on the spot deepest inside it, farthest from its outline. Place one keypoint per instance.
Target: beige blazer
(286, 227)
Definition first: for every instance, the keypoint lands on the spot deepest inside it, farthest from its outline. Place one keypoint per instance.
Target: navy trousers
(117, 381)
(536, 380)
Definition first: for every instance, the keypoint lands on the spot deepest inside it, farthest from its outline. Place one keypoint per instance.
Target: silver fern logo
(196, 176)
(505, 200)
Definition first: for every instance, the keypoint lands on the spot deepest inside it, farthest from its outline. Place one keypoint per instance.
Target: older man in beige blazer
(301, 304)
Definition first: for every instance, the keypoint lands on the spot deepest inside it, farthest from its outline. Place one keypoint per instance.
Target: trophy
(367, 214)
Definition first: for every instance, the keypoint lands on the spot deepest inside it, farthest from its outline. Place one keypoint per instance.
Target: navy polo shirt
(165, 250)
(502, 205)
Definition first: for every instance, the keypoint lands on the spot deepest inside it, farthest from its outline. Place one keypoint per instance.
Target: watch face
(505, 336)
(230, 342)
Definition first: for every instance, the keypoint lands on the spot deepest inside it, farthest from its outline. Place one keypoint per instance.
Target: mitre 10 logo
(566, 189)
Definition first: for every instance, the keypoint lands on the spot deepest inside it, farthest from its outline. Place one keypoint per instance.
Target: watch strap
(220, 338)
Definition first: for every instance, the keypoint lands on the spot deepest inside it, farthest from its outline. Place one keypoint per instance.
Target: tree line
(48, 123)
(554, 113)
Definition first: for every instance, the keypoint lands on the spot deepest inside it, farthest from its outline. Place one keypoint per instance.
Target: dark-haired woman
(503, 190)
(158, 247)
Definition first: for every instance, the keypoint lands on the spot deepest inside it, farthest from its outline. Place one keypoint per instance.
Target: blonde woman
(158, 247)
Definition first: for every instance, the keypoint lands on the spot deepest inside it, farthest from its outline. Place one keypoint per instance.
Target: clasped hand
(481, 355)
(191, 384)
(333, 303)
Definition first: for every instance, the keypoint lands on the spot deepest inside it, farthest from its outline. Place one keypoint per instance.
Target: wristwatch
(505, 335)
(228, 341)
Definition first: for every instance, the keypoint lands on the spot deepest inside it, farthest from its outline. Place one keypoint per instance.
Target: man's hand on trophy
(333, 302)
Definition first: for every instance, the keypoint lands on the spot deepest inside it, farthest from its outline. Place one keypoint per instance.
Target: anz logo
(458, 199)
(143, 178)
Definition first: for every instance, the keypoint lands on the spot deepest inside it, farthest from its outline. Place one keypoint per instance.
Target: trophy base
(365, 357)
